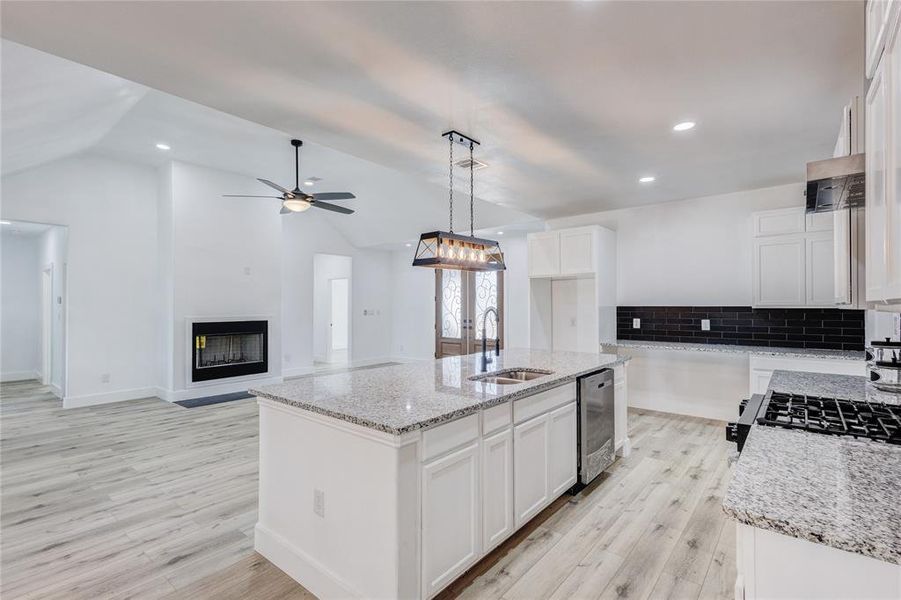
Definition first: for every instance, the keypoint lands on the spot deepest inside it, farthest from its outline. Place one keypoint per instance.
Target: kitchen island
(818, 514)
(392, 482)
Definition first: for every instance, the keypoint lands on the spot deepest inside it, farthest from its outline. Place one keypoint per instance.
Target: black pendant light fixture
(449, 250)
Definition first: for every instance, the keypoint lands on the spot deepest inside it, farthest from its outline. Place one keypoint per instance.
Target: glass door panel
(461, 300)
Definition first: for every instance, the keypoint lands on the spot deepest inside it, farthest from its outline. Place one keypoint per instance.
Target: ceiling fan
(296, 200)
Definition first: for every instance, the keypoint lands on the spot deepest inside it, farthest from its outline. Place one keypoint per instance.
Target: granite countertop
(402, 398)
(734, 349)
(832, 490)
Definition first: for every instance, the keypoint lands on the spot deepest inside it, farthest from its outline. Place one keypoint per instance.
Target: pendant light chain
(471, 196)
(451, 177)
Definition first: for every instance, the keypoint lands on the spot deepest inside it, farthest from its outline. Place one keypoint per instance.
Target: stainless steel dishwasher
(595, 431)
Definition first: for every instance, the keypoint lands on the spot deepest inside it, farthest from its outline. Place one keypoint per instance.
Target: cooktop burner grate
(881, 422)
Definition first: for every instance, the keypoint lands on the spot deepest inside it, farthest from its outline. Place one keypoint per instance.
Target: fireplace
(229, 349)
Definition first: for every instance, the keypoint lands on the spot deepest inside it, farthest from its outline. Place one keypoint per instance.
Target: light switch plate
(705, 324)
(636, 323)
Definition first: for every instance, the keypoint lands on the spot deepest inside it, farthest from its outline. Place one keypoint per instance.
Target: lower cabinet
(497, 488)
(451, 517)
(530, 468)
(562, 457)
(762, 368)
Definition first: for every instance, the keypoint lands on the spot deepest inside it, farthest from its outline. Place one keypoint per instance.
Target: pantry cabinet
(564, 253)
(793, 263)
(544, 254)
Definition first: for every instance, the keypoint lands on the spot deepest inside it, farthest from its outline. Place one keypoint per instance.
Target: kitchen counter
(832, 490)
(403, 398)
(733, 349)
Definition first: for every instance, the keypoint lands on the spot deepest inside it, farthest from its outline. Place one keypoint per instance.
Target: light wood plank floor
(146, 499)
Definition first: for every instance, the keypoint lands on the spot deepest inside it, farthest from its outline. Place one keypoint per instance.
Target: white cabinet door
(530, 468)
(892, 284)
(778, 270)
(451, 540)
(620, 409)
(779, 222)
(497, 488)
(760, 380)
(820, 269)
(544, 254)
(876, 188)
(875, 20)
(561, 450)
(576, 252)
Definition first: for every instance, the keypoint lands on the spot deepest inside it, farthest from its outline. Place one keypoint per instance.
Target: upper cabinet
(793, 262)
(883, 170)
(564, 252)
(877, 17)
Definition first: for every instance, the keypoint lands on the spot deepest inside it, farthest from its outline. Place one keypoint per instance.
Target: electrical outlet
(319, 503)
(104, 378)
(636, 323)
(705, 324)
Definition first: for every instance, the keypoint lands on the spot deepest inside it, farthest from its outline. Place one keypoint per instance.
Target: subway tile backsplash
(821, 328)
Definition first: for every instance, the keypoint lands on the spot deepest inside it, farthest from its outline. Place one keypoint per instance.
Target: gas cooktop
(874, 421)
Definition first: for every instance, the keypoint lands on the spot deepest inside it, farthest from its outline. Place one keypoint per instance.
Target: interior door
(461, 300)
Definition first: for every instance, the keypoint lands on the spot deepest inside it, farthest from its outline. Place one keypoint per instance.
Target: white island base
(349, 511)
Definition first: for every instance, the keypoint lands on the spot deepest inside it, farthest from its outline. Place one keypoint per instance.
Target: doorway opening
(461, 300)
(332, 326)
(32, 308)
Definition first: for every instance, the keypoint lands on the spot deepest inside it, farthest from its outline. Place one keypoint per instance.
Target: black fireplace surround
(224, 349)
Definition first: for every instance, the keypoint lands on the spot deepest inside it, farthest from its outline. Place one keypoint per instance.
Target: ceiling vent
(476, 164)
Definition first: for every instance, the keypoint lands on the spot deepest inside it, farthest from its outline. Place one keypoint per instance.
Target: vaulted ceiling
(573, 101)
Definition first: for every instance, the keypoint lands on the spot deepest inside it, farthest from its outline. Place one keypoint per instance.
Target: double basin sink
(510, 376)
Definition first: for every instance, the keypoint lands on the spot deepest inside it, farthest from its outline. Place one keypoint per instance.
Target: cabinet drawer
(542, 402)
(495, 418)
(441, 439)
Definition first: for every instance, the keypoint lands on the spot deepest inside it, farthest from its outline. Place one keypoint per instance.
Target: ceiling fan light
(296, 204)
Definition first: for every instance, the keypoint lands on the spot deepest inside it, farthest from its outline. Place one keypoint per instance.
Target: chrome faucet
(497, 340)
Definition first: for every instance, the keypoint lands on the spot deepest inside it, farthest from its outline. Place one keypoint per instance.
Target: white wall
(53, 252)
(304, 235)
(110, 209)
(226, 255)
(690, 252)
(20, 307)
(325, 268)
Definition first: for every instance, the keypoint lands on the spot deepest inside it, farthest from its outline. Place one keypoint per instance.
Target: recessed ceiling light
(500, 233)
(5, 223)
(647, 179)
(408, 245)
(163, 146)
(684, 126)
(308, 182)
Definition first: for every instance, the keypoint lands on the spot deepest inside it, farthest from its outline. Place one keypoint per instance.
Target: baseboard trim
(300, 566)
(215, 390)
(11, 376)
(109, 397)
(56, 391)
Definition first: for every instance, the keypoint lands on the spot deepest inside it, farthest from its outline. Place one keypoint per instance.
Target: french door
(461, 299)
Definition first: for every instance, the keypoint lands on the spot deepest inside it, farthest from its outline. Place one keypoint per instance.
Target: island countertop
(401, 398)
(833, 490)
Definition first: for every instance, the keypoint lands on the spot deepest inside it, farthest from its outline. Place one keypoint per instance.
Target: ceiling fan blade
(333, 196)
(273, 185)
(332, 207)
(284, 211)
(246, 196)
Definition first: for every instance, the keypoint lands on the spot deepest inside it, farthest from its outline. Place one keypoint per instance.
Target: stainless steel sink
(510, 376)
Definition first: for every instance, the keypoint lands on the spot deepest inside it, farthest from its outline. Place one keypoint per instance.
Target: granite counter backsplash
(812, 328)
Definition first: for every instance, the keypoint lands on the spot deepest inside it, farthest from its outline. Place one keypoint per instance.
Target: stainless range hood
(835, 183)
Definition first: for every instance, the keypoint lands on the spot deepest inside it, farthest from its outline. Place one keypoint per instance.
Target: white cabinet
(877, 12)
(760, 380)
(762, 368)
(544, 254)
(530, 468)
(497, 489)
(576, 251)
(451, 518)
(778, 271)
(562, 449)
(820, 268)
(620, 410)
(793, 260)
(892, 227)
(876, 183)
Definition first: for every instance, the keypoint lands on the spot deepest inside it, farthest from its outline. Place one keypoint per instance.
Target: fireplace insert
(229, 349)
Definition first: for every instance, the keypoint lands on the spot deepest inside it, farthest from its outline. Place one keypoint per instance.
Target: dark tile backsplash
(822, 328)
